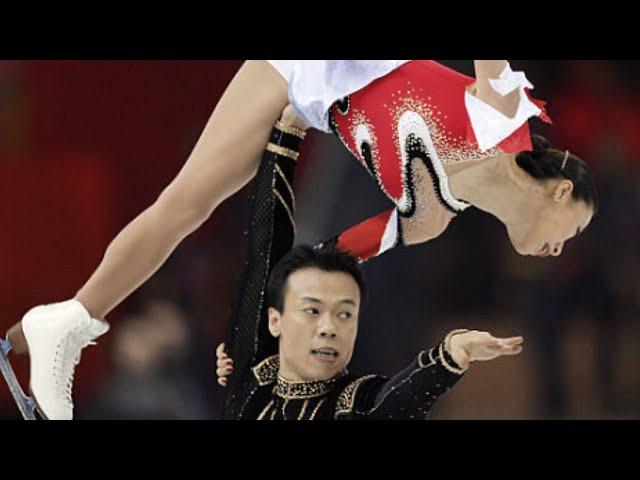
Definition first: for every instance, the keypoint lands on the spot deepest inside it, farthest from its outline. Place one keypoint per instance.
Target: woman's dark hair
(328, 259)
(544, 163)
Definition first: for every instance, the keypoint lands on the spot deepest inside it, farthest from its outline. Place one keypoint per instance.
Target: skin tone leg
(224, 160)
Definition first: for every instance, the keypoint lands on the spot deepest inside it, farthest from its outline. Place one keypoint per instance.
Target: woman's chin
(523, 253)
(518, 242)
(521, 248)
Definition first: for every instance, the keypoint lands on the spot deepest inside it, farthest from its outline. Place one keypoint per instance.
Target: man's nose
(327, 328)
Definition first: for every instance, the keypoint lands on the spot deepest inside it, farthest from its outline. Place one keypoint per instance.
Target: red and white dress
(389, 112)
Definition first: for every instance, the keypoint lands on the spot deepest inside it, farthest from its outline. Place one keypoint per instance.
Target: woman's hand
(224, 365)
(471, 346)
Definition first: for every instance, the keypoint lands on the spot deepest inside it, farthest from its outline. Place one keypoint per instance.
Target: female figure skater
(418, 127)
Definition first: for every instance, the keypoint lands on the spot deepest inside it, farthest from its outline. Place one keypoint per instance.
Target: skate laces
(68, 354)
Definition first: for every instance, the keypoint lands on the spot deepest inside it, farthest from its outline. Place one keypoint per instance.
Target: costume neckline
(268, 372)
(302, 389)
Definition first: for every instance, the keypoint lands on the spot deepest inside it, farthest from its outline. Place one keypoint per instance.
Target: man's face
(318, 327)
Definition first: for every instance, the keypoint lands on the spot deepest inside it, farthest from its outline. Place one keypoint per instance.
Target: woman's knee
(227, 155)
(182, 214)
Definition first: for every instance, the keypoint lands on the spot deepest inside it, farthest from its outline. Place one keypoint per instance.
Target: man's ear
(563, 191)
(275, 319)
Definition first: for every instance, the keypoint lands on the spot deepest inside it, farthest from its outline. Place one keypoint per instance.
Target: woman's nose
(557, 249)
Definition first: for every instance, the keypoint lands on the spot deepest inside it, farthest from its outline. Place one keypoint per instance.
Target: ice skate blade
(27, 405)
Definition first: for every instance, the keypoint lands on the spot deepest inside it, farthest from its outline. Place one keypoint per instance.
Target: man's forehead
(320, 284)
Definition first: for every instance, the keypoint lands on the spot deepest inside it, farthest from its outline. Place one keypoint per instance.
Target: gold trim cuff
(296, 132)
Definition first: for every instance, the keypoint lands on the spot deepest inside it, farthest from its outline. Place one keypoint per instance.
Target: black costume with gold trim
(255, 390)
(407, 396)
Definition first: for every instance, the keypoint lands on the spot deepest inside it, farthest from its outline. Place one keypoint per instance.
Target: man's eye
(345, 315)
(311, 311)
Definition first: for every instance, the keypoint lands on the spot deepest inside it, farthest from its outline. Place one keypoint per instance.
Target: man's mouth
(325, 354)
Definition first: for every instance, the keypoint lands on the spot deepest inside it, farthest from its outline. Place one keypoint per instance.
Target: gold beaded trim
(303, 409)
(303, 389)
(284, 408)
(286, 182)
(296, 132)
(445, 364)
(315, 410)
(421, 364)
(285, 152)
(447, 341)
(266, 371)
(266, 409)
(286, 209)
(348, 396)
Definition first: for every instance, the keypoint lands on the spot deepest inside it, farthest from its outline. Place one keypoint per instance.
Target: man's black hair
(329, 259)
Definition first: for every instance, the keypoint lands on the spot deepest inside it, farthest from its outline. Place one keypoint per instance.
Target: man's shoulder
(354, 392)
(266, 372)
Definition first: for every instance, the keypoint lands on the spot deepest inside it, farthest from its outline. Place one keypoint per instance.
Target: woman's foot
(54, 336)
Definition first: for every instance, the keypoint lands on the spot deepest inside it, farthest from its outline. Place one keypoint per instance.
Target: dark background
(87, 145)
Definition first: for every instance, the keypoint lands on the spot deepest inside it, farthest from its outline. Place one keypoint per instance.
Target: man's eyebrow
(312, 299)
(349, 301)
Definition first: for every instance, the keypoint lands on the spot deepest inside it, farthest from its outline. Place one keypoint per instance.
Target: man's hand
(470, 346)
(224, 365)
(291, 119)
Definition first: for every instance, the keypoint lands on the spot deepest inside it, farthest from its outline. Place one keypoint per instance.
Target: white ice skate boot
(54, 335)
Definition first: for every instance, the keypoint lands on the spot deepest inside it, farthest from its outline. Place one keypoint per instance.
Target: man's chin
(324, 372)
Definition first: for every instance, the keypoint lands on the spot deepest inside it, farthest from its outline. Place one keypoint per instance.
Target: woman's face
(558, 219)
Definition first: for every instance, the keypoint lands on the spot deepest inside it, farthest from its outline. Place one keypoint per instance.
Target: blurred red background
(87, 145)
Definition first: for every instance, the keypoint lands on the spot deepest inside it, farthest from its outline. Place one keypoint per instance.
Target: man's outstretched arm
(411, 393)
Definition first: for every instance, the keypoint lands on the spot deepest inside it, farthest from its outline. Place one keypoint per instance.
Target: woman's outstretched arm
(224, 159)
(389, 230)
(371, 238)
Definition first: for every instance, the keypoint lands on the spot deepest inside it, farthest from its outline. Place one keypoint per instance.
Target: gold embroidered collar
(303, 389)
(266, 372)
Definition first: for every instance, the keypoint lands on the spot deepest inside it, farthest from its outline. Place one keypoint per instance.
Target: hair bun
(540, 144)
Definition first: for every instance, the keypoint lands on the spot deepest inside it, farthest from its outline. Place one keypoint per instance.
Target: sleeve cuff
(439, 356)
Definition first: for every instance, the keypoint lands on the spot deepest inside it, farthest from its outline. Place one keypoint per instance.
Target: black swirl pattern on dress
(344, 105)
(416, 149)
(365, 151)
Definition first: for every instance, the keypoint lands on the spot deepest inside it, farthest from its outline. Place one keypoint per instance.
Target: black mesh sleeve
(411, 393)
(269, 235)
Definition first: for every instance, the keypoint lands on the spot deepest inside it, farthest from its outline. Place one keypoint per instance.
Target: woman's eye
(345, 315)
(311, 311)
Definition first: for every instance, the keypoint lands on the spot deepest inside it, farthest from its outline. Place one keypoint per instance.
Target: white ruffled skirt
(315, 85)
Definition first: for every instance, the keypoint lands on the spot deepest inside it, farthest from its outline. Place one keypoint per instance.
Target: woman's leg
(224, 159)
